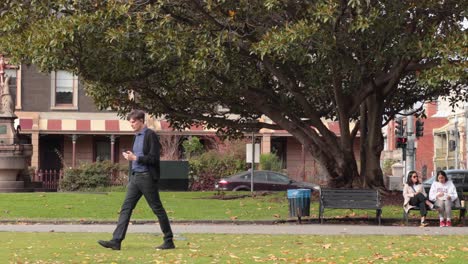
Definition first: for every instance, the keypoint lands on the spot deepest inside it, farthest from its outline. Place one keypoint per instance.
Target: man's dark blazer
(151, 153)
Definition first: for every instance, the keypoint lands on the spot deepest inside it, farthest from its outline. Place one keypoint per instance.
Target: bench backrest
(350, 198)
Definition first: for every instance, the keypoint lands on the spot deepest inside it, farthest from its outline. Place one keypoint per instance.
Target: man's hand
(128, 155)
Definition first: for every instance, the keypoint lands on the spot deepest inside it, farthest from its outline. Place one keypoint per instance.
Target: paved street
(305, 229)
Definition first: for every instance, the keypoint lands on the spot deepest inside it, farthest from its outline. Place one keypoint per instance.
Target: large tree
(225, 63)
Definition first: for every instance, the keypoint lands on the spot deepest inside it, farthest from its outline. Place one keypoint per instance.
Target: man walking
(143, 180)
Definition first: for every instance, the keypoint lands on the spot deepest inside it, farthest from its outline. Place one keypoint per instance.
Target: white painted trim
(53, 106)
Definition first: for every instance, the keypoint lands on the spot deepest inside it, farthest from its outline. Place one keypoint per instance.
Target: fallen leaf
(326, 246)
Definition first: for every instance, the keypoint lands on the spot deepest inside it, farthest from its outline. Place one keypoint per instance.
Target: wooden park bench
(455, 207)
(350, 199)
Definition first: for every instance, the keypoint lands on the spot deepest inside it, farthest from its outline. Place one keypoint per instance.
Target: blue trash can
(299, 202)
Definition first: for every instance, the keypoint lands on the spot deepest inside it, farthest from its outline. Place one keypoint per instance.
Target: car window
(275, 177)
(464, 178)
(458, 179)
(260, 176)
(245, 176)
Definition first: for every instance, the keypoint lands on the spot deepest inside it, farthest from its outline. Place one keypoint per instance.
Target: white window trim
(53, 106)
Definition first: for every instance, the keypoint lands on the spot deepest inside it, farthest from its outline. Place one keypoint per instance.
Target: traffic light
(419, 128)
(401, 142)
(399, 128)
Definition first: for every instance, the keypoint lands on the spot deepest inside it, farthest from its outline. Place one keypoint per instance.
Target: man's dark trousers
(142, 184)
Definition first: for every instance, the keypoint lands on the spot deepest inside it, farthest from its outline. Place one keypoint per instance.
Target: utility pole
(457, 141)
(466, 135)
(253, 164)
(410, 150)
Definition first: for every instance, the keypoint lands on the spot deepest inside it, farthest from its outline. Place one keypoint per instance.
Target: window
(103, 150)
(64, 92)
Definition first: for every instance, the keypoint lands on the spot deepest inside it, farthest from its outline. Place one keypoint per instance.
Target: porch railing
(50, 179)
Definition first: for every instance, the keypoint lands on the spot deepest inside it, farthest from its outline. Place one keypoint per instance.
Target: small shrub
(193, 147)
(90, 176)
(209, 167)
(387, 166)
(269, 161)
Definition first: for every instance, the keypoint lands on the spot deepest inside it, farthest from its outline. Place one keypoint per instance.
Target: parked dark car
(458, 177)
(263, 181)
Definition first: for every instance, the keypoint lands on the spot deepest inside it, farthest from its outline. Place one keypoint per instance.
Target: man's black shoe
(166, 245)
(110, 244)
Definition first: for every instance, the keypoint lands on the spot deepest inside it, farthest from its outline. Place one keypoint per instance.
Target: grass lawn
(208, 248)
(179, 205)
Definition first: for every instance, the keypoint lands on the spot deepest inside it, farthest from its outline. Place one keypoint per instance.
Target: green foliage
(270, 161)
(297, 62)
(91, 175)
(193, 147)
(209, 167)
(387, 166)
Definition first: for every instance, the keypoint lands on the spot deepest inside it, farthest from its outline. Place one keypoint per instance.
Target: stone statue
(7, 107)
(2, 68)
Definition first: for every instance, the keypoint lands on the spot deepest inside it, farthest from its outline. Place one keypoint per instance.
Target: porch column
(266, 143)
(35, 151)
(74, 138)
(112, 139)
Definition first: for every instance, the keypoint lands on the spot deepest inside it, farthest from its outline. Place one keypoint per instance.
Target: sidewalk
(277, 229)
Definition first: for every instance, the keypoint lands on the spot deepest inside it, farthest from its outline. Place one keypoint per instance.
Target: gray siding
(85, 103)
(36, 92)
(35, 89)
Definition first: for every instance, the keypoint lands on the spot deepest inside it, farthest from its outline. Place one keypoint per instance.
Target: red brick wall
(425, 147)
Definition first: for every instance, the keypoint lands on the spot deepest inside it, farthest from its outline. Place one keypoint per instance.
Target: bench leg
(321, 214)
(379, 215)
(405, 217)
(462, 216)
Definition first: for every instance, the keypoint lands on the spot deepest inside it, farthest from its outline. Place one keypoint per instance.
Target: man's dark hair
(136, 115)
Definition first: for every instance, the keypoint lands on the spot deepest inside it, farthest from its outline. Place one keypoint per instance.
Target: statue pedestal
(13, 156)
(7, 131)
(13, 159)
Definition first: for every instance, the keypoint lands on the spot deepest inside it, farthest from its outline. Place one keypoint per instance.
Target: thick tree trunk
(371, 143)
(340, 164)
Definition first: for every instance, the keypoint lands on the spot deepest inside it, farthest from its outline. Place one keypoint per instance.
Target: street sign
(248, 153)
